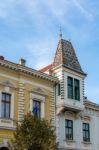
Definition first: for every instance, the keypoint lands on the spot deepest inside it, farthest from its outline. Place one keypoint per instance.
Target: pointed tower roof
(66, 56)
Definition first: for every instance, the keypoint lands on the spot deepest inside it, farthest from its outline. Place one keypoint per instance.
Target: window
(5, 105)
(58, 89)
(69, 129)
(70, 87)
(36, 108)
(73, 88)
(76, 89)
(86, 132)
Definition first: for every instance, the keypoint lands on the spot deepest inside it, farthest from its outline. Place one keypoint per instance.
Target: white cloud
(85, 12)
(41, 52)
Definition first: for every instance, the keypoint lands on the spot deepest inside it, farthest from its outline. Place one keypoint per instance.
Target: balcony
(70, 105)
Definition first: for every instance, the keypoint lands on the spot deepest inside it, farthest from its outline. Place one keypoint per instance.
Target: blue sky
(30, 29)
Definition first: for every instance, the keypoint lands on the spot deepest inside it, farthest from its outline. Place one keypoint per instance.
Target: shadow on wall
(4, 148)
(35, 147)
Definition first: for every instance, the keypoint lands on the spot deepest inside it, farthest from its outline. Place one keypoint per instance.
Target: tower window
(58, 89)
(70, 87)
(73, 88)
(76, 89)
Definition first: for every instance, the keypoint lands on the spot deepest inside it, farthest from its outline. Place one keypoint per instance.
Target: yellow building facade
(23, 90)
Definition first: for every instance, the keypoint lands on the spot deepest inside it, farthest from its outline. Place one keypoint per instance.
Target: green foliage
(33, 131)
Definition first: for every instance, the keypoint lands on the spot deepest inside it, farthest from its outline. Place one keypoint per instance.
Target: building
(77, 119)
(56, 93)
(23, 90)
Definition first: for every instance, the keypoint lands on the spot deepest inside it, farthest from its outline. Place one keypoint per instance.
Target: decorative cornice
(7, 84)
(39, 91)
(27, 70)
(91, 105)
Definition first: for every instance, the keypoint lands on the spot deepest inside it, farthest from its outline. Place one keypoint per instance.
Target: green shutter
(70, 87)
(76, 89)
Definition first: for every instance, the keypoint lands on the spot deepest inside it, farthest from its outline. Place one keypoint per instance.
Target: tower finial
(60, 35)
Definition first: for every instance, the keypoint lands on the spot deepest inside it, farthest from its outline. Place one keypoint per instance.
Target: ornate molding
(39, 91)
(27, 70)
(83, 116)
(7, 84)
(69, 114)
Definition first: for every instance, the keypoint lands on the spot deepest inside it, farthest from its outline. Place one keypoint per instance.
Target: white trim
(12, 106)
(3, 121)
(39, 97)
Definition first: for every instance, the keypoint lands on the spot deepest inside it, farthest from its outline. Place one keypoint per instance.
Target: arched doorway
(4, 148)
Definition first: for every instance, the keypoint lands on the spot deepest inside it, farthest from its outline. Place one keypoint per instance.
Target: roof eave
(27, 70)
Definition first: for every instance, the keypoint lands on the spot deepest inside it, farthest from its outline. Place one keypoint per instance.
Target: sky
(30, 29)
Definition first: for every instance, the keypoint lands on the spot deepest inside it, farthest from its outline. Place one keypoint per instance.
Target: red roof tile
(46, 68)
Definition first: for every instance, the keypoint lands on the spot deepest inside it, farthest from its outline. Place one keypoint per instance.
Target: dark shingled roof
(66, 56)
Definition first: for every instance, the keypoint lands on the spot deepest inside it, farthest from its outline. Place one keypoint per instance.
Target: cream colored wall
(30, 82)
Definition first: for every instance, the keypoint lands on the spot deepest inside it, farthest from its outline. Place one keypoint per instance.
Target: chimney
(1, 57)
(22, 62)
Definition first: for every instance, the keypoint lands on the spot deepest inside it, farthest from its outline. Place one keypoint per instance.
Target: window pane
(36, 108)
(3, 96)
(66, 123)
(87, 127)
(69, 129)
(76, 89)
(2, 110)
(70, 87)
(8, 98)
(70, 81)
(7, 110)
(86, 132)
(69, 123)
(84, 127)
(58, 89)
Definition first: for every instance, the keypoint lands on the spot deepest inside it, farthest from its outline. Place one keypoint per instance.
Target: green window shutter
(70, 87)
(76, 89)
(58, 89)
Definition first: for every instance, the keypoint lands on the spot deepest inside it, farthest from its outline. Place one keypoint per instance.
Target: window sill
(5, 122)
(69, 141)
(5, 118)
(86, 142)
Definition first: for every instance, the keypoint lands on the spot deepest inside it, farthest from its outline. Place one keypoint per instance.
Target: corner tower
(70, 91)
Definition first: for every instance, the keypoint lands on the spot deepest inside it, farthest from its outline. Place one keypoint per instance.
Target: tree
(34, 134)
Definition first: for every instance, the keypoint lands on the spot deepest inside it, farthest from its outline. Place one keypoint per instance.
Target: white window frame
(39, 98)
(7, 122)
